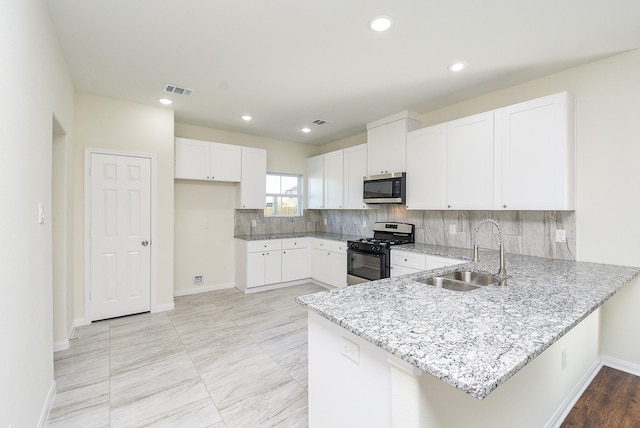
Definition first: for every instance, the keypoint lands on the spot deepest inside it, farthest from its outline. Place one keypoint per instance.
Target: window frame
(299, 195)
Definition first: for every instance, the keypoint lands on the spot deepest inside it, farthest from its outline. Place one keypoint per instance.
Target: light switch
(40, 213)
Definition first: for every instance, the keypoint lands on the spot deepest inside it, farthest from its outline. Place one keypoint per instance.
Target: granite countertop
(322, 235)
(473, 340)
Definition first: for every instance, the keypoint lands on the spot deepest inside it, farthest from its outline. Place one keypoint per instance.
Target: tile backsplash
(525, 232)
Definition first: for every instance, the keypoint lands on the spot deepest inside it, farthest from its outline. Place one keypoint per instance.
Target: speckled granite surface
(473, 340)
(322, 235)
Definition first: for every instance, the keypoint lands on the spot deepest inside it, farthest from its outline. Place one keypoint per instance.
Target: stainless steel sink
(461, 280)
(449, 284)
(475, 278)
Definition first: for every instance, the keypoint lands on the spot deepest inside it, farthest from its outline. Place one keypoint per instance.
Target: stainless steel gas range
(369, 259)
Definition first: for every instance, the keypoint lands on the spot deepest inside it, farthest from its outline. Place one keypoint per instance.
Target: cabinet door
(315, 178)
(295, 264)
(469, 163)
(386, 146)
(252, 188)
(425, 158)
(321, 265)
(534, 156)
(355, 168)
(226, 161)
(192, 159)
(333, 185)
(338, 270)
(397, 270)
(273, 267)
(255, 269)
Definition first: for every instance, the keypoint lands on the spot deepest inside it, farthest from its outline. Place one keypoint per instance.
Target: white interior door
(120, 235)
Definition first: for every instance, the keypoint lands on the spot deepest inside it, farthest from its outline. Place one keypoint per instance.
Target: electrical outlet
(254, 223)
(364, 223)
(564, 359)
(325, 221)
(350, 350)
(198, 279)
(452, 229)
(561, 235)
(206, 225)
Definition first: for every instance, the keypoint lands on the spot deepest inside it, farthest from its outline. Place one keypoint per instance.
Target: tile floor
(219, 359)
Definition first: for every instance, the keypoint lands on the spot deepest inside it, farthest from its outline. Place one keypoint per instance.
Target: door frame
(87, 223)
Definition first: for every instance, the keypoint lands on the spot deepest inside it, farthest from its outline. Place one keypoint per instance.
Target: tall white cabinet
(355, 168)
(334, 179)
(251, 192)
(425, 161)
(469, 163)
(519, 157)
(386, 142)
(535, 155)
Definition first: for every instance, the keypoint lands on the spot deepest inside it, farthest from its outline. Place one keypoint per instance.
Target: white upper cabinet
(535, 155)
(425, 159)
(251, 193)
(333, 179)
(204, 160)
(355, 168)
(315, 182)
(386, 142)
(469, 165)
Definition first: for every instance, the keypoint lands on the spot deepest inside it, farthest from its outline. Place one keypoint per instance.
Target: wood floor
(612, 400)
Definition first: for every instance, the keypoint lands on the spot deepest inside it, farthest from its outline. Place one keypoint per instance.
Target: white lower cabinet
(295, 259)
(258, 263)
(406, 262)
(329, 261)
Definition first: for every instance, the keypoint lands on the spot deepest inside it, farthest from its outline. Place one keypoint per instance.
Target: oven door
(364, 266)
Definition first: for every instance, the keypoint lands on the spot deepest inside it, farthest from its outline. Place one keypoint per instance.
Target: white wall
(103, 123)
(36, 86)
(198, 250)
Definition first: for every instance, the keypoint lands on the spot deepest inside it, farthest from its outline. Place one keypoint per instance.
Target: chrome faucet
(502, 273)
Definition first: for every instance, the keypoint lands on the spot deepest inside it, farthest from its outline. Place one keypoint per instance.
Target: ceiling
(290, 62)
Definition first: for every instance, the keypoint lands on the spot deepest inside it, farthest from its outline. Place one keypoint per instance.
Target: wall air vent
(173, 89)
(319, 122)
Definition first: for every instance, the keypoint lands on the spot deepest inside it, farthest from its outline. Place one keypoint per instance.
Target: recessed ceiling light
(246, 117)
(306, 130)
(457, 66)
(381, 23)
(165, 101)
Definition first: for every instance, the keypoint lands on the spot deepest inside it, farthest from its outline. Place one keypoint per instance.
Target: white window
(284, 195)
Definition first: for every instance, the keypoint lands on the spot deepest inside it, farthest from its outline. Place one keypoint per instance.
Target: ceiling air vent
(173, 89)
(319, 122)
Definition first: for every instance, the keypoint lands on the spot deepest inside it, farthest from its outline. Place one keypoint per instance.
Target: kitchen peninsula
(387, 353)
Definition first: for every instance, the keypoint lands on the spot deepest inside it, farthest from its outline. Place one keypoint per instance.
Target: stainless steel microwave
(385, 188)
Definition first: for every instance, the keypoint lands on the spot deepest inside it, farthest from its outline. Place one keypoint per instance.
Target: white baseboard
(48, 403)
(276, 286)
(62, 345)
(604, 360)
(203, 289)
(618, 364)
(568, 403)
(162, 308)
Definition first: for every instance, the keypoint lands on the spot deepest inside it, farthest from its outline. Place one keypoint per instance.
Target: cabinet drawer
(265, 245)
(407, 259)
(291, 243)
(434, 262)
(339, 247)
(397, 270)
(321, 244)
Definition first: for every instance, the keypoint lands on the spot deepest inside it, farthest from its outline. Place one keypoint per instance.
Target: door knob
(145, 243)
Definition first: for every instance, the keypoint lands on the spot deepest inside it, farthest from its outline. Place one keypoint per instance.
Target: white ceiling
(289, 62)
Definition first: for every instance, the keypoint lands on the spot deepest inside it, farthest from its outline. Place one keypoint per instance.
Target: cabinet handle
(406, 260)
(504, 206)
(448, 206)
(212, 177)
(207, 177)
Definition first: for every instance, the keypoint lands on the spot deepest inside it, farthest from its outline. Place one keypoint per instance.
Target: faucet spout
(502, 272)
